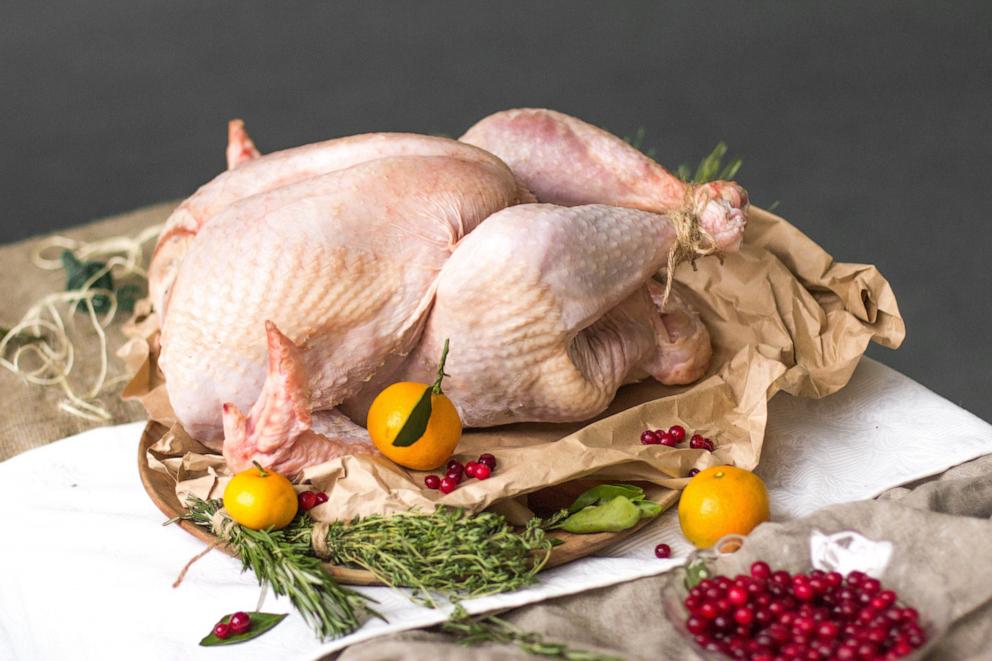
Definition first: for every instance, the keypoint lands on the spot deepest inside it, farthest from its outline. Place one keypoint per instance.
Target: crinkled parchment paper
(782, 314)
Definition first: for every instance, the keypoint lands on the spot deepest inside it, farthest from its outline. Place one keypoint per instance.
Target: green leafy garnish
(79, 273)
(416, 423)
(711, 168)
(604, 493)
(260, 623)
(491, 629)
(695, 573)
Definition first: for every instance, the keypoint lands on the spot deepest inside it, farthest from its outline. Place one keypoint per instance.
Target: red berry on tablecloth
(447, 485)
(663, 551)
(677, 432)
(693, 472)
(482, 472)
(222, 630)
(648, 437)
(452, 465)
(322, 497)
(432, 481)
(240, 622)
(470, 469)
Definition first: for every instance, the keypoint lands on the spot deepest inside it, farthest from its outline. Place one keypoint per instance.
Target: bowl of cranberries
(765, 615)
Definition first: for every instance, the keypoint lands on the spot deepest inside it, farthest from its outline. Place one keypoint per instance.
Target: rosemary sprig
(491, 629)
(448, 552)
(711, 167)
(283, 559)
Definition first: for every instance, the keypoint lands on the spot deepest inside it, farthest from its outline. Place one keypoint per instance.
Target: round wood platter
(161, 489)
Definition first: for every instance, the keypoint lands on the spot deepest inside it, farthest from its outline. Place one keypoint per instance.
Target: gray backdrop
(869, 123)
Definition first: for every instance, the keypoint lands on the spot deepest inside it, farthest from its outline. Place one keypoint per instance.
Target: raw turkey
(250, 174)
(297, 293)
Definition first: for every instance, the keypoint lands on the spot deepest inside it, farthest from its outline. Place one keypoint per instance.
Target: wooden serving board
(161, 489)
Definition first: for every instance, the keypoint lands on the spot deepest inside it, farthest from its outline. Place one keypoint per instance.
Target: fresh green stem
(261, 471)
(436, 387)
(491, 629)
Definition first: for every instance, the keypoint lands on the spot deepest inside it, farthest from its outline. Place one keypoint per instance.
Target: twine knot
(318, 540)
(691, 240)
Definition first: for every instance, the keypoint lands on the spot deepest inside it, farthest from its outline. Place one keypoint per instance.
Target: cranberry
(763, 616)
(693, 603)
(648, 437)
(723, 605)
(240, 622)
(761, 570)
(909, 615)
(454, 476)
(721, 622)
(737, 595)
(855, 578)
(723, 583)
(447, 485)
(665, 438)
(695, 625)
(901, 648)
(695, 439)
(322, 497)
(693, 472)
(709, 610)
(307, 500)
(222, 630)
(871, 586)
(845, 654)
(744, 615)
(488, 460)
(432, 481)
(482, 472)
(470, 469)
(804, 625)
(663, 551)
(827, 630)
(782, 578)
(834, 579)
(802, 588)
(677, 432)
(453, 464)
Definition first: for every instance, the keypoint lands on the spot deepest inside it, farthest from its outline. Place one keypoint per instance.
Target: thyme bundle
(449, 552)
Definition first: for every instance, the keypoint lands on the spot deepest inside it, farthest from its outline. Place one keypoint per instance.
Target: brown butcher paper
(782, 315)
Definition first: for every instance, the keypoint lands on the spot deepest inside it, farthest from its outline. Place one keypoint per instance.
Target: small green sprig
(283, 560)
(711, 168)
(491, 629)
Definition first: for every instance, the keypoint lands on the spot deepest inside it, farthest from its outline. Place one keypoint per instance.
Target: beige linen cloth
(941, 528)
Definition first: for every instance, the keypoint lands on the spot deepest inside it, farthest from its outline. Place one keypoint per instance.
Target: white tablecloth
(86, 568)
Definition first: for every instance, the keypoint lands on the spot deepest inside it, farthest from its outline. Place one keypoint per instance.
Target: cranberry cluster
(778, 615)
(675, 435)
(310, 499)
(239, 623)
(480, 469)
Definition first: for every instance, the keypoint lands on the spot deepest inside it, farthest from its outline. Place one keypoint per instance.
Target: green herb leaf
(618, 514)
(711, 167)
(77, 273)
(695, 572)
(260, 623)
(416, 422)
(604, 493)
(649, 508)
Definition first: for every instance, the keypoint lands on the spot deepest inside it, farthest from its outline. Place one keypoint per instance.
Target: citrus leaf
(416, 422)
(260, 623)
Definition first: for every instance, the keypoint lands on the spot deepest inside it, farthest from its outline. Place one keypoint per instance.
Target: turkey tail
(240, 147)
(281, 413)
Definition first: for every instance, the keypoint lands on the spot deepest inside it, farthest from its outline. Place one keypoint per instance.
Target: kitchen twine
(691, 240)
(221, 525)
(48, 341)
